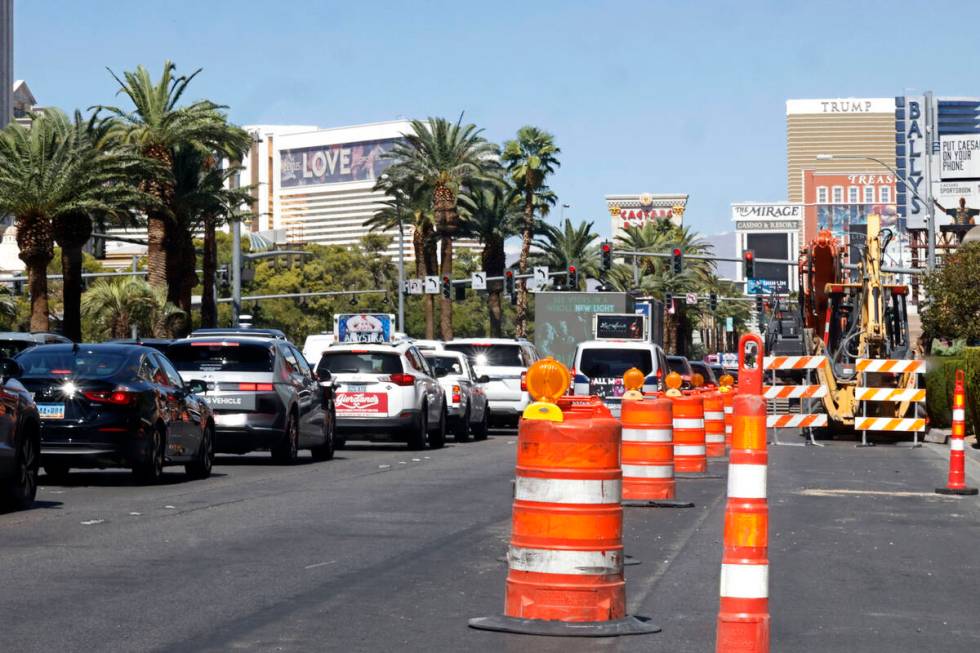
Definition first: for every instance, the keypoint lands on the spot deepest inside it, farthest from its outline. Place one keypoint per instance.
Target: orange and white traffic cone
(956, 484)
(714, 424)
(743, 616)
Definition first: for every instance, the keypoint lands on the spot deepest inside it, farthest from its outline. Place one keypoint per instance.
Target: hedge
(940, 380)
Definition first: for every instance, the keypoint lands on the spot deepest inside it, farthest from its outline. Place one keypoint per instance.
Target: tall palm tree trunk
(421, 270)
(527, 233)
(156, 254)
(71, 233)
(209, 265)
(492, 259)
(36, 251)
(188, 273)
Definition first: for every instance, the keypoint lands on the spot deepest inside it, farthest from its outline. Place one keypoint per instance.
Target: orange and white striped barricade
(648, 454)
(714, 424)
(729, 416)
(956, 483)
(565, 560)
(743, 615)
(690, 455)
(866, 393)
(806, 394)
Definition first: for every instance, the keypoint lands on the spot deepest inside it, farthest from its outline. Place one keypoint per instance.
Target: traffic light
(677, 260)
(758, 305)
(572, 278)
(509, 282)
(447, 288)
(713, 301)
(669, 299)
(606, 256)
(748, 263)
(460, 292)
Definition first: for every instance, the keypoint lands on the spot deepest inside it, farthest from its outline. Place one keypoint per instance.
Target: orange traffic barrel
(565, 561)
(648, 449)
(689, 445)
(728, 398)
(582, 406)
(714, 424)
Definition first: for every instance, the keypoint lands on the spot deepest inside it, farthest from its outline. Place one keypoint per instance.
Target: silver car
(466, 400)
(263, 393)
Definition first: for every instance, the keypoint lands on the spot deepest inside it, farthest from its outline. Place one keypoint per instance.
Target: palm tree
(492, 215)
(156, 127)
(569, 245)
(51, 174)
(114, 307)
(411, 200)
(530, 158)
(444, 157)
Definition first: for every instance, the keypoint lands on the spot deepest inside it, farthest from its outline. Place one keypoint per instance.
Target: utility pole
(401, 265)
(236, 271)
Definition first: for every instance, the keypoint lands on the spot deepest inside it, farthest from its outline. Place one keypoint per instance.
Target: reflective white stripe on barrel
(714, 437)
(713, 416)
(648, 471)
(745, 581)
(729, 428)
(568, 490)
(647, 435)
(689, 449)
(959, 415)
(956, 444)
(747, 481)
(729, 410)
(555, 561)
(688, 423)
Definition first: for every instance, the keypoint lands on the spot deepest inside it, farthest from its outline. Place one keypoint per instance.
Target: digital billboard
(335, 163)
(564, 319)
(769, 277)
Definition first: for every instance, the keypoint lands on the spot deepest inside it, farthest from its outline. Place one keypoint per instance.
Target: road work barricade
(809, 395)
(729, 421)
(565, 560)
(714, 424)
(905, 396)
(956, 484)
(743, 616)
(689, 442)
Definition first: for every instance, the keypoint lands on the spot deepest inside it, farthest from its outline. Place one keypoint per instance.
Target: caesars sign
(332, 164)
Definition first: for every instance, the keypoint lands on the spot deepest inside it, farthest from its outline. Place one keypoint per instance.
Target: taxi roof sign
(375, 328)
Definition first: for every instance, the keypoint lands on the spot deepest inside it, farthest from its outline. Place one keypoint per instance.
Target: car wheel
(437, 439)
(461, 430)
(286, 451)
(201, 467)
(150, 470)
(420, 432)
(480, 430)
(19, 491)
(56, 472)
(325, 450)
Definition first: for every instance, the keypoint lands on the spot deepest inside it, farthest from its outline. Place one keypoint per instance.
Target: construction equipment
(859, 327)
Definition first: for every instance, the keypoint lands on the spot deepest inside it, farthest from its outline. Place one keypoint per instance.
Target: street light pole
(236, 272)
(401, 265)
(930, 205)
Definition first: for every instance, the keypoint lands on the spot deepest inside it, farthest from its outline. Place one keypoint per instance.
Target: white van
(315, 345)
(600, 364)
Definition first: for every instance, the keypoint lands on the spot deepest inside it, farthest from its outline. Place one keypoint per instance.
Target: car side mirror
(483, 379)
(196, 386)
(323, 375)
(10, 369)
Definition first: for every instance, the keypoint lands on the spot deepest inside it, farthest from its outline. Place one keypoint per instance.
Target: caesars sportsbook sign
(334, 164)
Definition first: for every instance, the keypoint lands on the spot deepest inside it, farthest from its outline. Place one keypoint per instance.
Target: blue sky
(641, 96)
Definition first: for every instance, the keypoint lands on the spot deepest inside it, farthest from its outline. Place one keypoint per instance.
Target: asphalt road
(384, 549)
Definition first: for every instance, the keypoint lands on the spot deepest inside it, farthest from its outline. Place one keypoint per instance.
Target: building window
(838, 195)
(852, 195)
(821, 195)
(885, 194)
(869, 194)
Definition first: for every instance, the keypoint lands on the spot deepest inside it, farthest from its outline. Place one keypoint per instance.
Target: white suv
(600, 365)
(385, 392)
(504, 361)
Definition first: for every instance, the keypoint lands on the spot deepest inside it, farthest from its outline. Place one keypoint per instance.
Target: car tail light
(524, 381)
(456, 394)
(402, 379)
(114, 397)
(255, 387)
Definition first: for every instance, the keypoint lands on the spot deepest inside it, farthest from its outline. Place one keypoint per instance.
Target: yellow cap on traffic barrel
(673, 383)
(697, 380)
(547, 379)
(633, 380)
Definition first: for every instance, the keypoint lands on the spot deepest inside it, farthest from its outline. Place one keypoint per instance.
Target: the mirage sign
(334, 164)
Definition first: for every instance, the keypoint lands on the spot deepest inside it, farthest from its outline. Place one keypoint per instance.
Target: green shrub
(940, 381)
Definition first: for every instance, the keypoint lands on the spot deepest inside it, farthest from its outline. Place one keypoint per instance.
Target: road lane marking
(819, 492)
(320, 564)
(92, 522)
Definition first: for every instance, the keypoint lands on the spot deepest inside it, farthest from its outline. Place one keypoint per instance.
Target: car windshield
(10, 348)
(360, 362)
(202, 356)
(679, 365)
(445, 365)
(606, 363)
(41, 363)
(706, 372)
(489, 355)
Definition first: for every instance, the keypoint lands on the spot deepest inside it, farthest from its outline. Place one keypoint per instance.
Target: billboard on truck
(620, 326)
(363, 327)
(564, 319)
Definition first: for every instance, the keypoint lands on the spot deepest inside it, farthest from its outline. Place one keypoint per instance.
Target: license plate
(356, 387)
(51, 411)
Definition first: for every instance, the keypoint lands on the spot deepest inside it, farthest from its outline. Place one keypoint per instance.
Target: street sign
(432, 285)
(478, 280)
(729, 324)
(692, 298)
(414, 286)
(540, 277)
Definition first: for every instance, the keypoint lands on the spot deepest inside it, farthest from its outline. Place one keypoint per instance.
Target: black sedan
(114, 405)
(20, 441)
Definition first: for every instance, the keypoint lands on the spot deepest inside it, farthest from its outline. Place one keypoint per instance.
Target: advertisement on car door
(361, 404)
